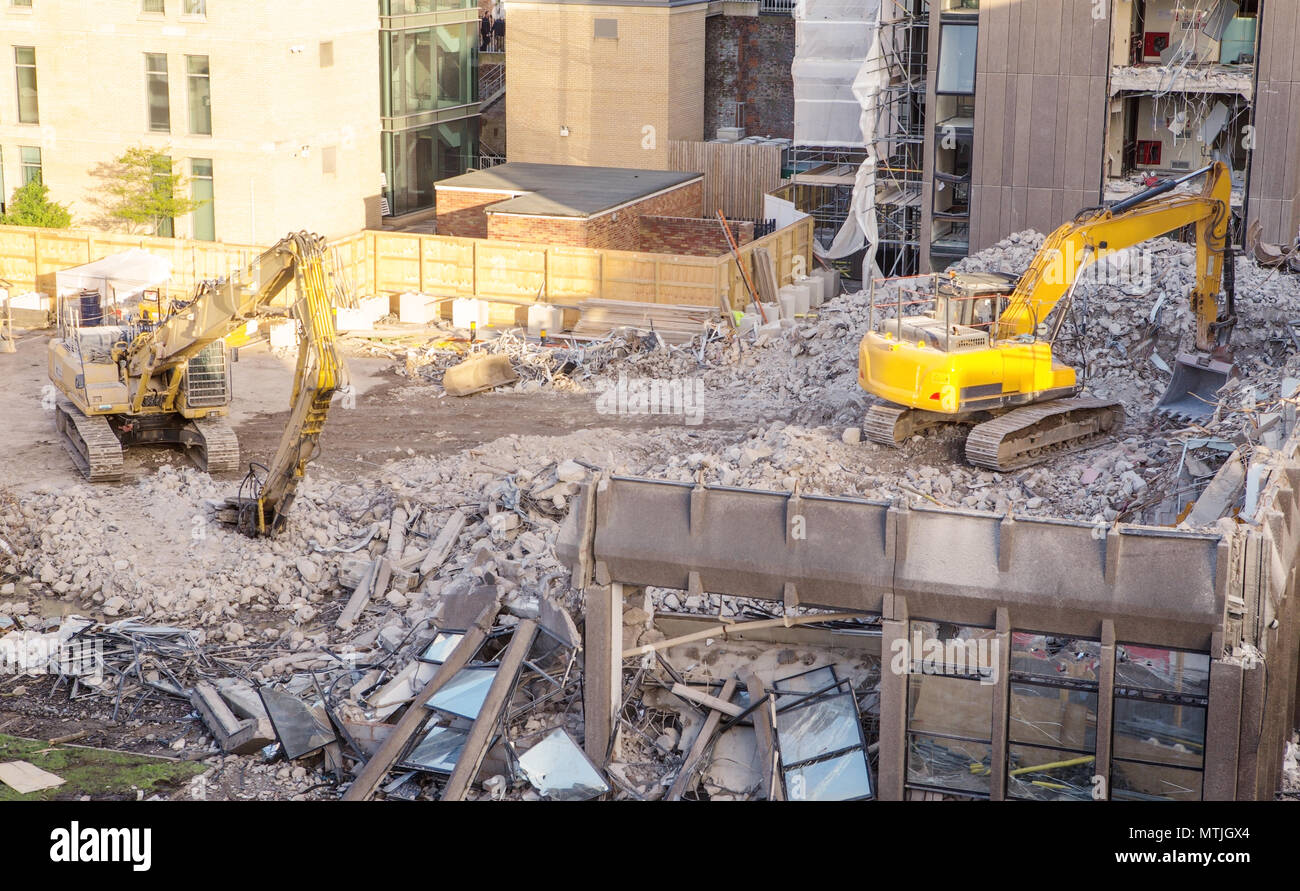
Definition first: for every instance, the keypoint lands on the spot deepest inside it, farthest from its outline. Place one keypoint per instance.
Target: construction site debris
(24, 777)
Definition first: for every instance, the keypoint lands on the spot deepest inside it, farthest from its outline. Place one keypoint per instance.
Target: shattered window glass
(1049, 774)
(1159, 732)
(957, 706)
(1042, 655)
(1056, 716)
(464, 693)
(828, 724)
(808, 681)
(1130, 781)
(440, 647)
(557, 768)
(438, 751)
(1162, 670)
(957, 764)
(841, 778)
(301, 729)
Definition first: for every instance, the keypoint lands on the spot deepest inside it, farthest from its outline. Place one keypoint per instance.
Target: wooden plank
(701, 744)
(765, 733)
(485, 725)
(716, 703)
(373, 773)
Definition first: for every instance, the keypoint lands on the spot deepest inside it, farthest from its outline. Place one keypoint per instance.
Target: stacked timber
(675, 323)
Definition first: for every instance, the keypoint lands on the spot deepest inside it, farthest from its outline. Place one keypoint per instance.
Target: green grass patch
(99, 773)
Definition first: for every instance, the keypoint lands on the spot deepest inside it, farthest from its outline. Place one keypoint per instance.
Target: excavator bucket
(1193, 392)
(477, 374)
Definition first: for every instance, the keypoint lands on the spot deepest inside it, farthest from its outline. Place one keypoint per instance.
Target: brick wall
(463, 214)
(748, 60)
(686, 235)
(547, 230)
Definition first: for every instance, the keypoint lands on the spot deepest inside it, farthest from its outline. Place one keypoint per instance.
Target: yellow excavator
(983, 354)
(167, 380)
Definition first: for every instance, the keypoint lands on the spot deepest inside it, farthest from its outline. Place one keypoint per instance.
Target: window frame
(191, 81)
(149, 77)
(19, 69)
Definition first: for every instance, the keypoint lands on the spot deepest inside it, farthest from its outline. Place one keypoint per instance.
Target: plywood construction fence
(30, 257)
(382, 263)
(736, 174)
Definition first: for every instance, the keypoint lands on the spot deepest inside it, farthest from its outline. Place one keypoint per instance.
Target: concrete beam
(602, 669)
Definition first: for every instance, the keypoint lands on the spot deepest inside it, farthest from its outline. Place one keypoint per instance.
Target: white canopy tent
(118, 278)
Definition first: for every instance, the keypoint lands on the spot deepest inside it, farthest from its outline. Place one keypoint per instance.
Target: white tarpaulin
(832, 37)
(117, 278)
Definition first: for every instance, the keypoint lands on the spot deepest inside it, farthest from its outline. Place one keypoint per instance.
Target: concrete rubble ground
(445, 542)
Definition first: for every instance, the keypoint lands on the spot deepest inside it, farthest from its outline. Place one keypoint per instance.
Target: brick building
(613, 208)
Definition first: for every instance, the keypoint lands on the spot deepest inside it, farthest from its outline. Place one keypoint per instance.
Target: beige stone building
(606, 85)
(270, 109)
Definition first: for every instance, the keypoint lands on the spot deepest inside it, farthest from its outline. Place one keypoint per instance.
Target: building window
(22, 4)
(205, 217)
(155, 75)
(152, 7)
(30, 156)
(950, 708)
(430, 68)
(200, 90)
(327, 54)
(1161, 699)
(957, 58)
(3, 205)
(605, 28)
(329, 160)
(25, 64)
(1052, 737)
(196, 7)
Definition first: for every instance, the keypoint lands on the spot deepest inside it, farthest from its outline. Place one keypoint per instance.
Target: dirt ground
(390, 417)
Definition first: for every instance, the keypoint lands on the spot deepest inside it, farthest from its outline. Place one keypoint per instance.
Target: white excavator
(165, 379)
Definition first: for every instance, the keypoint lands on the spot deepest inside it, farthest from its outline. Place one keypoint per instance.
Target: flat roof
(565, 190)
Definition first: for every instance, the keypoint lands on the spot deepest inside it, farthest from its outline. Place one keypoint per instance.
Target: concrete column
(603, 668)
(1222, 731)
(893, 699)
(1001, 706)
(1251, 723)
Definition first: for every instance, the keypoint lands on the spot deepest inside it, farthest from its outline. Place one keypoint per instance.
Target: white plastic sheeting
(117, 277)
(832, 38)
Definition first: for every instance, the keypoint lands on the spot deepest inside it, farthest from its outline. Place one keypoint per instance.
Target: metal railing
(488, 158)
(776, 7)
(491, 83)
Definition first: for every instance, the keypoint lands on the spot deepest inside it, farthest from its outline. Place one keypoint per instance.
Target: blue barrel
(92, 314)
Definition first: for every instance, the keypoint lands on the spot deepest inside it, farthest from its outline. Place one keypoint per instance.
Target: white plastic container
(794, 300)
(544, 317)
(416, 309)
(465, 310)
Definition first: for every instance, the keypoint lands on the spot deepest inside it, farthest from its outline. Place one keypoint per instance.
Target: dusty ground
(392, 417)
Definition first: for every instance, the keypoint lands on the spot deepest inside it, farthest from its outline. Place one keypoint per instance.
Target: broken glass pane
(827, 724)
(948, 763)
(440, 647)
(438, 751)
(1049, 774)
(1160, 732)
(938, 704)
(1045, 656)
(300, 728)
(841, 778)
(1148, 782)
(464, 693)
(1153, 668)
(1054, 716)
(808, 681)
(557, 768)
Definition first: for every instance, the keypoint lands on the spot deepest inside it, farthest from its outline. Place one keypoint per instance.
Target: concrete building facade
(270, 110)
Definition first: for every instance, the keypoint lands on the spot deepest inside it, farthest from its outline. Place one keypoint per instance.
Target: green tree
(31, 206)
(143, 190)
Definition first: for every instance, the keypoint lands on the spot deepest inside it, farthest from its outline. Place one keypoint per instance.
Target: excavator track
(91, 442)
(891, 425)
(220, 450)
(1035, 433)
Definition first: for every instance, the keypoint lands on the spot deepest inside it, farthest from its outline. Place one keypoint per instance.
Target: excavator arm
(262, 509)
(1085, 240)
